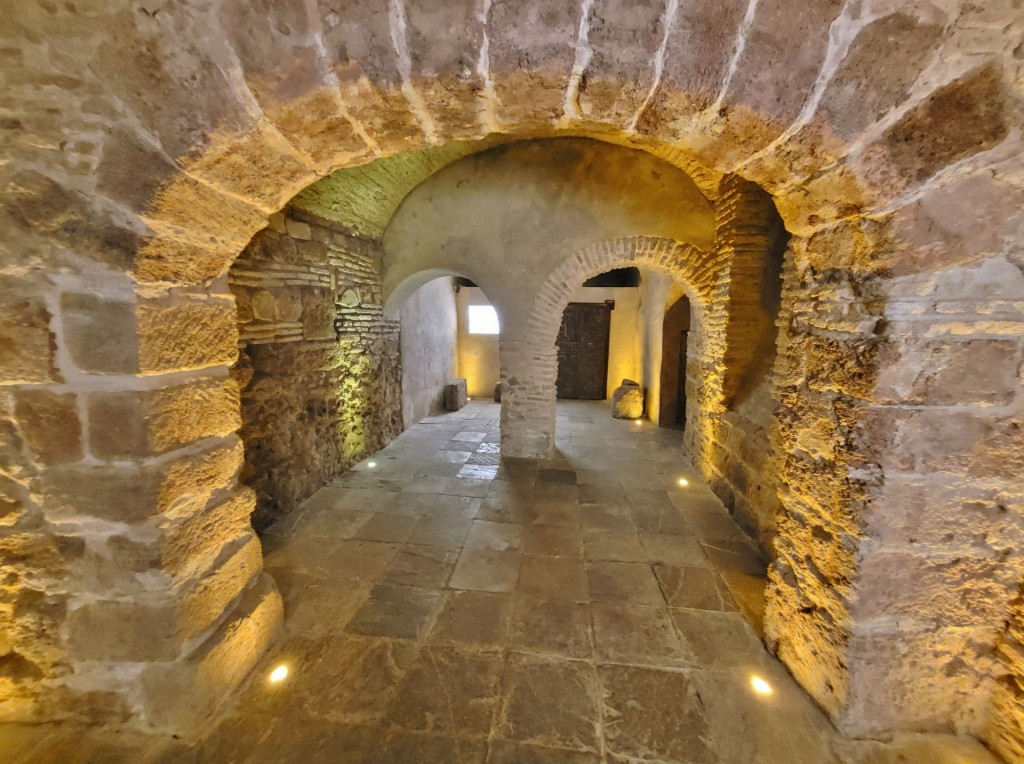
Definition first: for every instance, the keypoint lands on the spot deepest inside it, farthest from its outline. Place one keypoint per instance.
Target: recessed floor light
(760, 686)
(278, 675)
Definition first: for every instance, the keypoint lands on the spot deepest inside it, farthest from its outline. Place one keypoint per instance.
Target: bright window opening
(483, 319)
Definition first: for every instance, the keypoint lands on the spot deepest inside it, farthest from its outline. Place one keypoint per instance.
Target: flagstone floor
(445, 606)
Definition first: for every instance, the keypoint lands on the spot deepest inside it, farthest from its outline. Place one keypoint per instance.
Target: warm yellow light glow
(637, 421)
(279, 674)
(760, 686)
(683, 481)
(371, 465)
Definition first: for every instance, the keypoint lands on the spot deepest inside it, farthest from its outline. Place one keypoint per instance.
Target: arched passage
(211, 118)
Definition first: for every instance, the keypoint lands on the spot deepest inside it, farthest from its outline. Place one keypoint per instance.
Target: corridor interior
(444, 604)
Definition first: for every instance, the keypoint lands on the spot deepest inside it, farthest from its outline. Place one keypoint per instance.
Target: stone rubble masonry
(319, 365)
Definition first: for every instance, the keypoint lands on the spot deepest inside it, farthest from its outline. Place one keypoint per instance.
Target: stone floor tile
(487, 534)
(449, 691)
(656, 715)
(601, 494)
(315, 606)
(488, 570)
(440, 530)
(453, 457)
(333, 524)
(696, 588)
(555, 513)
(386, 527)
(753, 727)
(478, 471)
(632, 583)
(506, 752)
(664, 520)
(475, 488)
(355, 558)
(739, 556)
(429, 484)
(551, 626)
(426, 567)
(557, 476)
(395, 611)
(748, 592)
(403, 747)
(614, 545)
(683, 551)
(474, 618)
(606, 517)
(468, 436)
(554, 541)
(550, 702)
(720, 640)
(559, 492)
(344, 677)
(556, 578)
(507, 511)
(445, 505)
(637, 634)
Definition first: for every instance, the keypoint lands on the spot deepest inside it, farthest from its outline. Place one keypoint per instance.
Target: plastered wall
(429, 324)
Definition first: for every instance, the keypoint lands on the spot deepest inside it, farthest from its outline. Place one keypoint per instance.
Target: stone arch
(212, 118)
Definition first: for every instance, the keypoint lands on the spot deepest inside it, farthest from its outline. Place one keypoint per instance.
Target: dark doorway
(583, 351)
(675, 333)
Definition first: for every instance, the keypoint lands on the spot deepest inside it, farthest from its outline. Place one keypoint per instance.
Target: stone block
(136, 423)
(124, 631)
(455, 395)
(298, 230)
(26, 344)
(628, 400)
(50, 425)
(951, 588)
(318, 313)
(949, 372)
(183, 547)
(894, 684)
(209, 596)
(177, 486)
(190, 334)
(100, 334)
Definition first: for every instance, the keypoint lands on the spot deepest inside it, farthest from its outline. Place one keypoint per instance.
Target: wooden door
(583, 351)
(675, 331)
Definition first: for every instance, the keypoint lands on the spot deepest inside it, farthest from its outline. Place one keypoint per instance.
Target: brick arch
(212, 118)
(530, 394)
(529, 359)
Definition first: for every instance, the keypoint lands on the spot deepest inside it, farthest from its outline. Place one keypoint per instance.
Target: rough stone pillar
(654, 289)
(137, 579)
(528, 373)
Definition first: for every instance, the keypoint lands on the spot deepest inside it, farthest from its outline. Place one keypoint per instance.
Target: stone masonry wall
(319, 366)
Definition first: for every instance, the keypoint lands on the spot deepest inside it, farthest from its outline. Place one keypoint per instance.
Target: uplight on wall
(483, 319)
(278, 675)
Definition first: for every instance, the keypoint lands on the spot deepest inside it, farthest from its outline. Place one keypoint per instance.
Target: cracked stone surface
(514, 612)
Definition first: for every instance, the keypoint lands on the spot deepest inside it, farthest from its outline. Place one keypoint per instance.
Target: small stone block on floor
(455, 395)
